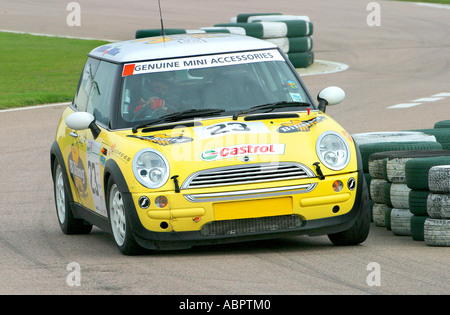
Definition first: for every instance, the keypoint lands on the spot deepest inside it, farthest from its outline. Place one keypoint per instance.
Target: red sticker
(128, 70)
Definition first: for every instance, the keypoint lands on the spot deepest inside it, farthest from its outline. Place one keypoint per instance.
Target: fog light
(161, 201)
(337, 186)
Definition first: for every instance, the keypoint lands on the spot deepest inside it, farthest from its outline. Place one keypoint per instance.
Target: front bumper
(184, 227)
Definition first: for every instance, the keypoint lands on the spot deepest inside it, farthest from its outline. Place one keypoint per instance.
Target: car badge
(246, 158)
(144, 202)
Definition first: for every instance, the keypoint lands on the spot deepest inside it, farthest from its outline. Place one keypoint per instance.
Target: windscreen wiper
(271, 106)
(190, 113)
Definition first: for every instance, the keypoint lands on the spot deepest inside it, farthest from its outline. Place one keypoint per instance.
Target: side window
(85, 83)
(101, 92)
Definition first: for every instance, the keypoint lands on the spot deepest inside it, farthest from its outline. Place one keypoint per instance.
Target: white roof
(173, 46)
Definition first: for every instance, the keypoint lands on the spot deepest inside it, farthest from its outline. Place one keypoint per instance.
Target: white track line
(34, 107)
(405, 105)
(58, 36)
(419, 101)
(434, 5)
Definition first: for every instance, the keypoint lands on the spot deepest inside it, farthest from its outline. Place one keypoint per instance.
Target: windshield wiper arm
(271, 106)
(190, 113)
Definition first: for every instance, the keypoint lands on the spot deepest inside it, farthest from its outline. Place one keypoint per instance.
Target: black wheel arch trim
(56, 154)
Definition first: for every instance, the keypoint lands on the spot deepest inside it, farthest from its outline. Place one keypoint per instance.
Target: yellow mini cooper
(184, 140)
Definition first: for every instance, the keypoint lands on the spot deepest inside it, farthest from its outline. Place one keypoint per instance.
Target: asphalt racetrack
(403, 61)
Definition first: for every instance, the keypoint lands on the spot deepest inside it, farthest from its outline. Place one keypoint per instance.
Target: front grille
(251, 225)
(247, 174)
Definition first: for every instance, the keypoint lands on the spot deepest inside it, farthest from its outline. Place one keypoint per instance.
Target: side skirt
(80, 212)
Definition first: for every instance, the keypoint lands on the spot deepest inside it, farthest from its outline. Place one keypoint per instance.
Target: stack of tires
(377, 142)
(293, 34)
(389, 190)
(429, 181)
(409, 176)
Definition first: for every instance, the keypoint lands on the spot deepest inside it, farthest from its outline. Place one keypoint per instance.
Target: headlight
(333, 150)
(151, 168)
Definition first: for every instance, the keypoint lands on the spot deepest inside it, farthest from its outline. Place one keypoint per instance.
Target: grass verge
(40, 69)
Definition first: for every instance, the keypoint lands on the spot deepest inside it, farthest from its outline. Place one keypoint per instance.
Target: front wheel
(120, 224)
(360, 229)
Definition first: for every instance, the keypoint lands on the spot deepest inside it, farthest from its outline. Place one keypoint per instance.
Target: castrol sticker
(242, 150)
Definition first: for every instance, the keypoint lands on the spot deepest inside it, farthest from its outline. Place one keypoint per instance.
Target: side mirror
(82, 121)
(332, 95)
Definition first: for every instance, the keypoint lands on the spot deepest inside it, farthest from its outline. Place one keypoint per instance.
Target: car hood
(214, 143)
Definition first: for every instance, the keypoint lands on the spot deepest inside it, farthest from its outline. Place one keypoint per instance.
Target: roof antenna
(163, 33)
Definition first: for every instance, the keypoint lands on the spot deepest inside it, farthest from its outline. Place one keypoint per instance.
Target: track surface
(404, 59)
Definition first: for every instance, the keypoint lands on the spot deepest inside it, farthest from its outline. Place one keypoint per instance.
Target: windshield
(229, 82)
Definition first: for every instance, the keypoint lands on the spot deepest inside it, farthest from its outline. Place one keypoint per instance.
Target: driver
(158, 89)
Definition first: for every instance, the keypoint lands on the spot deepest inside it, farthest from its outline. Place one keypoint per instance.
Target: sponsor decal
(228, 128)
(163, 139)
(201, 62)
(300, 125)
(108, 50)
(197, 219)
(292, 84)
(118, 153)
(242, 150)
(77, 171)
(93, 161)
(144, 202)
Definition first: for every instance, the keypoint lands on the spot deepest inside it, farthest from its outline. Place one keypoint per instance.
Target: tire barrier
(439, 179)
(442, 135)
(370, 148)
(442, 124)
(292, 34)
(401, 221)
(409, 180)
(437, 232)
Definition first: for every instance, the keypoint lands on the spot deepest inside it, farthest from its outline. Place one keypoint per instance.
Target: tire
(438, 206)
(387, 217)
(301, 60)
(370, 148)
(437, 232)
(376, 164)
(244, 17)
(395, 164)
(417, 170)
(442, 124)
(251, 29)
(377, 190)
(401, 222)
(442, 135)
(276, 18)
(379, 214)
(391, 136)
(387, 194)
(417, 227)
(439, 179)
(400, 196)
(418, 202)
(360, 230)
(69, 225)
(292, 44)
(119, 221)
